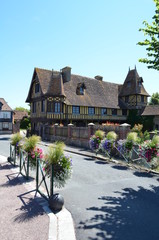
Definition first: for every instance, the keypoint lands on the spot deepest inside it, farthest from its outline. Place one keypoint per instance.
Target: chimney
(66, 74)
(98, 77)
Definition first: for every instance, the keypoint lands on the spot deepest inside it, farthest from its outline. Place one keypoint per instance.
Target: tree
(152, 42)
(22, 109)
(154, 100)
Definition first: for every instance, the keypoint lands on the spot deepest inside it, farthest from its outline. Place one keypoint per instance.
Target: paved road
(112, 202)
(109, 201)
(4, 145)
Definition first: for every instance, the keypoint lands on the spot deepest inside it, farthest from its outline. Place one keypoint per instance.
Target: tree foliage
(152, 40)
(22, 109)
(154, 100)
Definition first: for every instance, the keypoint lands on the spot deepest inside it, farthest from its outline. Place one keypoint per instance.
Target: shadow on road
(29, 209)
(96, 161)
(118, 167)
(132, 214)
(143, 174)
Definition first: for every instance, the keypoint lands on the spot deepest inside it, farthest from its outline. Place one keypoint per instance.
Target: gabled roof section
(133, 84)
(151, 110)
(97, 93)
(19, 115)
(50, 82)
(5, 106)
(55, 87)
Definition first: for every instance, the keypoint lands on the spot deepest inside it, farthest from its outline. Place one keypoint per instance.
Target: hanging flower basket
(62, 164)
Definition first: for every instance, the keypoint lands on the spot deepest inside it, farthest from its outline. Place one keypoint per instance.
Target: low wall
(79, 136)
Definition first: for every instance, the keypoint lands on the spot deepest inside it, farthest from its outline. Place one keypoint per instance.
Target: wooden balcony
(63, 116)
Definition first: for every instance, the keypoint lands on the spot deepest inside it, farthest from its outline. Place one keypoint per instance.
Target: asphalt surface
(111, 201)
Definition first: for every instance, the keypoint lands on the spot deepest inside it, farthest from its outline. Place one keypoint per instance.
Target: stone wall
(79, 136)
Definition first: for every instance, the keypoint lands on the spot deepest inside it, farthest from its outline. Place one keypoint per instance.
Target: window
(75, 110)
(127, 99)
(50, 106)
(103, 111)
(124, 112)
(128, 84)
(91, 111)
(43, 105)
(142, 98)
(6, 126)
(34, 107)
(5, 115)
(139, 83)
(114, 111)
(57, 107)
(81, 90)
(1, 106)
(37, 87)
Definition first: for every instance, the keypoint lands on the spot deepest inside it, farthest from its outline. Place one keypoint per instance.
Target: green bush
(100, 134)
(155, 140)
(31, 142)
(111, 136)
(25, 123)
(146, 135)
(15, 138)
(132, 136)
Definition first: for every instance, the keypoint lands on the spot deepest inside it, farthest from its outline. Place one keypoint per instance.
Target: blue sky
(93, 37)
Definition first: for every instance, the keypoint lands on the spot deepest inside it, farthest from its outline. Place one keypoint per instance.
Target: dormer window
(128, 84)
(80, 89)
(37, 87)
(140, 81)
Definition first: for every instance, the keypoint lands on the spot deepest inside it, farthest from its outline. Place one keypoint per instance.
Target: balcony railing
(69, 116)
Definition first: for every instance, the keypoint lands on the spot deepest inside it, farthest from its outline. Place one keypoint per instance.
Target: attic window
(128, 84)
(140, 82)
(37, 87)
(80, 89)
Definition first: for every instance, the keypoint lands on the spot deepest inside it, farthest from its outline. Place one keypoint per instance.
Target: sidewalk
(25, 215)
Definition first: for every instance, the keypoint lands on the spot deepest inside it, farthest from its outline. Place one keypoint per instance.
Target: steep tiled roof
(56, 85)
(18, 115)
(151, 110)
(96, 94)
(131, 85)
(5, 106)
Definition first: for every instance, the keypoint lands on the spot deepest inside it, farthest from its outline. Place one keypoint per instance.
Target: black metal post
(37, 173)
(52, 180)
(27, 176)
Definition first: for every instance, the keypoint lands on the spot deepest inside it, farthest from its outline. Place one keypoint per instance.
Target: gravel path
(21, 217)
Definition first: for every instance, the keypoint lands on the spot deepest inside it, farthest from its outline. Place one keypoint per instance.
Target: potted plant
(32, 150)
(15, 142)
(95, 140)
(107, 144)
(58, 167)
